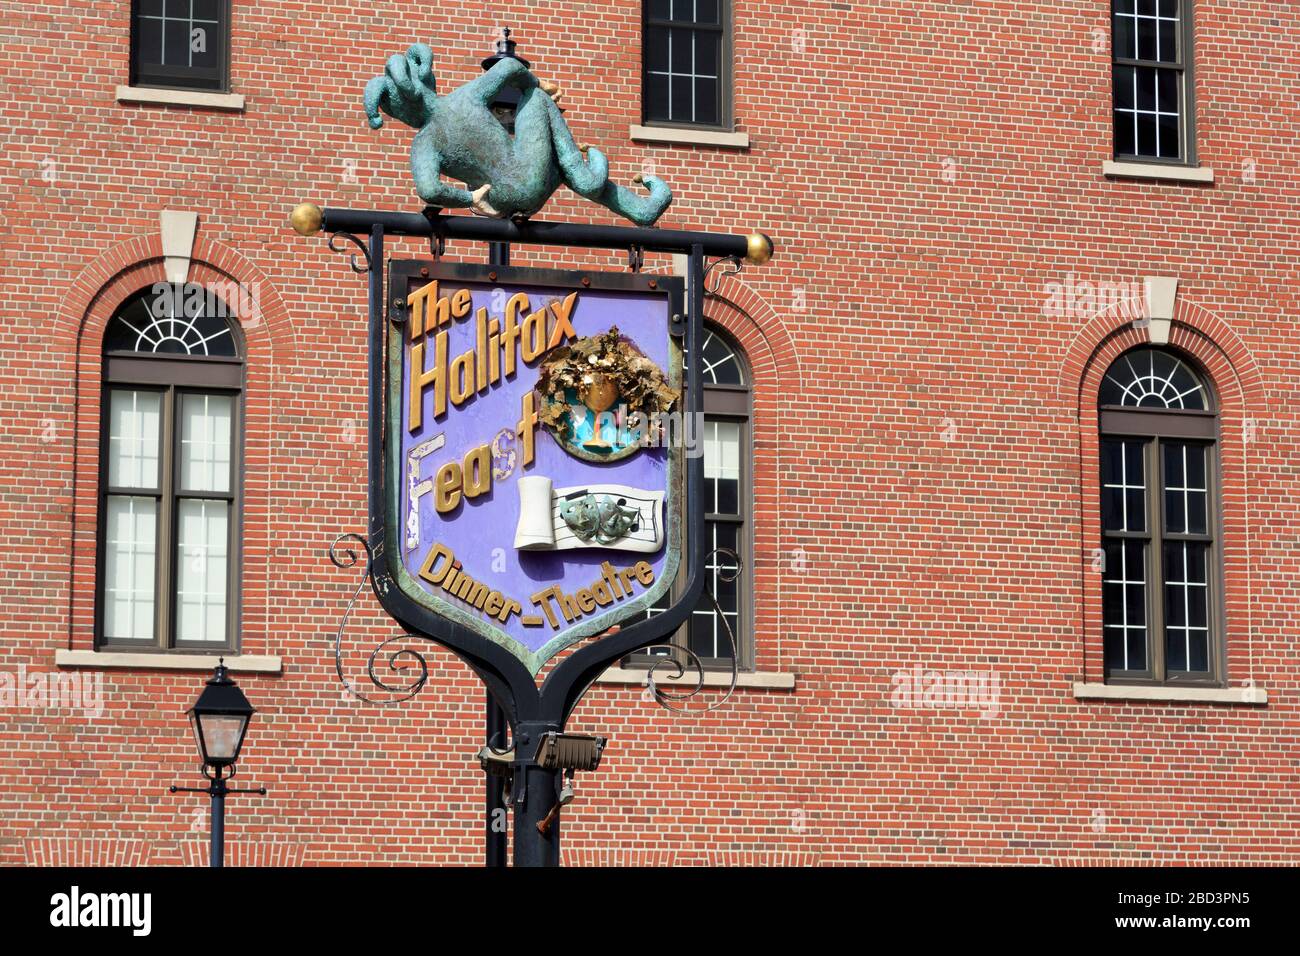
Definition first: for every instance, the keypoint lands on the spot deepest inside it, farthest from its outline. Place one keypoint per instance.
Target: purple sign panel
(533, 477)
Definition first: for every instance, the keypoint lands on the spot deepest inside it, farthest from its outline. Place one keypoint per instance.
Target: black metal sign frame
(532, 711)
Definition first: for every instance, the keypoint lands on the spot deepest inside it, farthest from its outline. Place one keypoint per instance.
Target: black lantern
(219, 719)
(507, 101)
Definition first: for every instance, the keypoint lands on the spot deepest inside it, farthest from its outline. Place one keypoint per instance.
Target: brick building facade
(964, 248)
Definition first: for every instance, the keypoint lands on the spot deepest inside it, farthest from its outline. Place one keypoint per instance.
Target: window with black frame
(686, 63)
(725, 444)
(1152, 50)
(1159, 483)
(180, 43)
(169, 475)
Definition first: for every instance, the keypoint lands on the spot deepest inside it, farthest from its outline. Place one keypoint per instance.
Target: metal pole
(494, 835)
(537, 790)
(217, 854)
(375, 290)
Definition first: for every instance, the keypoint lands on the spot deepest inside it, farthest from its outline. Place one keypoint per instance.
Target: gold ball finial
(306, 219)
(758, 249)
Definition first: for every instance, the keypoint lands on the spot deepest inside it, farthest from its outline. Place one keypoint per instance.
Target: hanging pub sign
(533, 449)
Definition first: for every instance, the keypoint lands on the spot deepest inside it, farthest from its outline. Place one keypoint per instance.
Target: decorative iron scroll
(353, 256)
(349, 559)
(736, 263)
(669, 700)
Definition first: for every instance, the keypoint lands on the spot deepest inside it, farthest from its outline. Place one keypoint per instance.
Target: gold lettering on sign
(499, 345)
(441, 569)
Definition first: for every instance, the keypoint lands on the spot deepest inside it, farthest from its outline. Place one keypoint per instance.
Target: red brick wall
(929, 171)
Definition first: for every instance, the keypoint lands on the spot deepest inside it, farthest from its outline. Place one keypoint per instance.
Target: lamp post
(219, 719)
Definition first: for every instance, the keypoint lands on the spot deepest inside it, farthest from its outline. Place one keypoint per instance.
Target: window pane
(205, 442)
(706, 101)
(707, 53)
(134, 418)
(1167, 41)
(1195, 461)
(151, 40)
(176, 320)
(656, 106)
(176, 42)
(1124, 38)
(702, 635)
(680, 106)
(706, 11)
(1167, 93)
(205, 43)
(1150, 378)
(1147, 141)
(722, 467)
(681, 51)
(1146, 88)
(656, 49)
(201, 562)
(1123, 485)
(1124, 605)
(1185, 493)
(1187, 630)
(721, 367)
(130, 547)
(1125, 81)
(1125, 88)
(1146, 38)
(1168, 139)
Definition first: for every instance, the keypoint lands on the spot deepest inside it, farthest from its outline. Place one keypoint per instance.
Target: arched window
(170, 473)
(1161, 591)
(727, 507)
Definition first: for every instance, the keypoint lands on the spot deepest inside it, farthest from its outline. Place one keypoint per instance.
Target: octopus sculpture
(505, 176)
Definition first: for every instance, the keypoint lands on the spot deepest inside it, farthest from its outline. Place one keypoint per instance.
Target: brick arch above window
(1210, 341)
(267, 333)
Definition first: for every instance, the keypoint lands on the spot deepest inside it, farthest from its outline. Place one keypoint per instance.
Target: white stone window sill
(1190, 695)
(158, 97)
(239, 663)
(1180, 174)
(765, 680)
(689, 137)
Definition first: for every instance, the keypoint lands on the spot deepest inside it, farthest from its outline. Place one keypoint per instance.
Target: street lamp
(219, 719)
